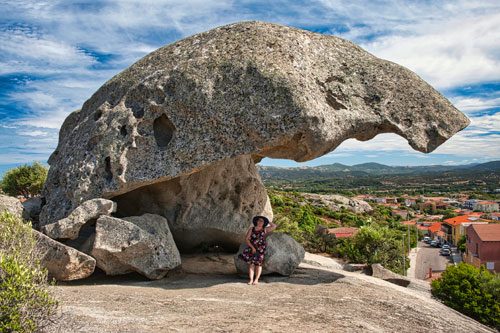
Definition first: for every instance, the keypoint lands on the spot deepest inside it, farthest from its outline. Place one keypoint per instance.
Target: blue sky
(55, 54)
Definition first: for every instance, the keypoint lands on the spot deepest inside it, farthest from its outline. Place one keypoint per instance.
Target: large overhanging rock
(141, 244)
(248, 89)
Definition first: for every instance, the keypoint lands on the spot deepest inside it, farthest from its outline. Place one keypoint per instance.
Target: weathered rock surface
(337, 202)
(313, 299)
(246, 89)
(283, 255)
(69, 227)
(32, 208)
(64, 263)
(11, 204)
(383, 273)
(211, 206)
(141, 244)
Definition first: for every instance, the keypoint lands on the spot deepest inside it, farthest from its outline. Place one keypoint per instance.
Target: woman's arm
(247, 240)
(270, 228)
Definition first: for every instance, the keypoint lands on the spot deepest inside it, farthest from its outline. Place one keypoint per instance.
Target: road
(428, 256)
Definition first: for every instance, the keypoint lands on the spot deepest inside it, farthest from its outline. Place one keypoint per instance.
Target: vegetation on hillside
(26, 180)
(480, 181)
(26, 304)
(380, 239)
(472, 291)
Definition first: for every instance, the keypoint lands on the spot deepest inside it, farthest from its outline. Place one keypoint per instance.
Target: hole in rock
(107, 169)
(163, 130)
(123, 130)
(97, 115)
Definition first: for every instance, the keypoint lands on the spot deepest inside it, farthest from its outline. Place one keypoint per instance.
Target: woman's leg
(257, 274)
(251, 268)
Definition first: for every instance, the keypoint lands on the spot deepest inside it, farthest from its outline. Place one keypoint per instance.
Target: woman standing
(256, 241)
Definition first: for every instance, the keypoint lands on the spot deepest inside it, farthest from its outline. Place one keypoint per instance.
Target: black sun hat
(256, 218)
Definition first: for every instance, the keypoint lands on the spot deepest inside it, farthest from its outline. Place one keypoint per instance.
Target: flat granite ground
(313, 299)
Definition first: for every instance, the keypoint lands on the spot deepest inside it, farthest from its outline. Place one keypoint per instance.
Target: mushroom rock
(167, 126)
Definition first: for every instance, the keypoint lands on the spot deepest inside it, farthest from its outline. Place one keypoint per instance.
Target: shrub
(373, 244)
(26, 304)
(25, 180)
(472, 291)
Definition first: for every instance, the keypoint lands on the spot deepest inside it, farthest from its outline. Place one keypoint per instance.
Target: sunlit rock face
(180, 130)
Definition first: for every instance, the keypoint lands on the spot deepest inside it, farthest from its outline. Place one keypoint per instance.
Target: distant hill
(338, 169)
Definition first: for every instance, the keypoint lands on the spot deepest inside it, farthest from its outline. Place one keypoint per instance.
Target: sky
(55, 54)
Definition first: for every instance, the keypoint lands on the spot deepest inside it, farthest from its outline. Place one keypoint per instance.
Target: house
(391, 200)
(487, 206)
(483, 246)
(495, 216)
(434, 229)
(452, 226)
(470, 204)
(342, 232)
(410, 202)
(403, 213)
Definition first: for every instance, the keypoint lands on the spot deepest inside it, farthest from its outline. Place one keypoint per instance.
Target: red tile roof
(435, 227)
(487, 232)
(463, 219)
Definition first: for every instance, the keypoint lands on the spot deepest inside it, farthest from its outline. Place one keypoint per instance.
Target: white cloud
(453, 52)
(474, 104)
(34, 133)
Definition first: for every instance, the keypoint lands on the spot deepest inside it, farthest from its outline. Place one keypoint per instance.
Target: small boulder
(283, 255)
(69, 227)
(64, 263)
(142, 244)
(11, 204)
(379, 271)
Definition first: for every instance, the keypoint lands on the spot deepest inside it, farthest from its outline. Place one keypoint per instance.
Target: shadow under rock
(177, 279)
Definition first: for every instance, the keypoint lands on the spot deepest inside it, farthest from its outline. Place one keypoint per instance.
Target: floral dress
(258, 240)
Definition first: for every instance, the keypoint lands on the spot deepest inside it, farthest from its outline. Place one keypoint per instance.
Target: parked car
(446, 246)
(427, 239)
(445, 252)
(434, 243)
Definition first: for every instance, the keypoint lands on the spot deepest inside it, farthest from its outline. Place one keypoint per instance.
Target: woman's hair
(256, 219)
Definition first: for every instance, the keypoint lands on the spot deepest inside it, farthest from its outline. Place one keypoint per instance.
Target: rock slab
(63, 263)
(69, 227)
(142, 244)
(283, 255)
(11, 204)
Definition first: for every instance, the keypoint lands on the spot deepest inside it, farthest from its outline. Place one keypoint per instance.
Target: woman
(256, 241)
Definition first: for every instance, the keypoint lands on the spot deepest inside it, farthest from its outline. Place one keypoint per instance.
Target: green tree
(26, 304)
(471, 291)
(461, 243)
(26, 180)
(374, 244)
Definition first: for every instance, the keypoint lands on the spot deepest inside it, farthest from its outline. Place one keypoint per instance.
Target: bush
(26, 304)
(472, 291)
(25, 180)
(373, 244)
